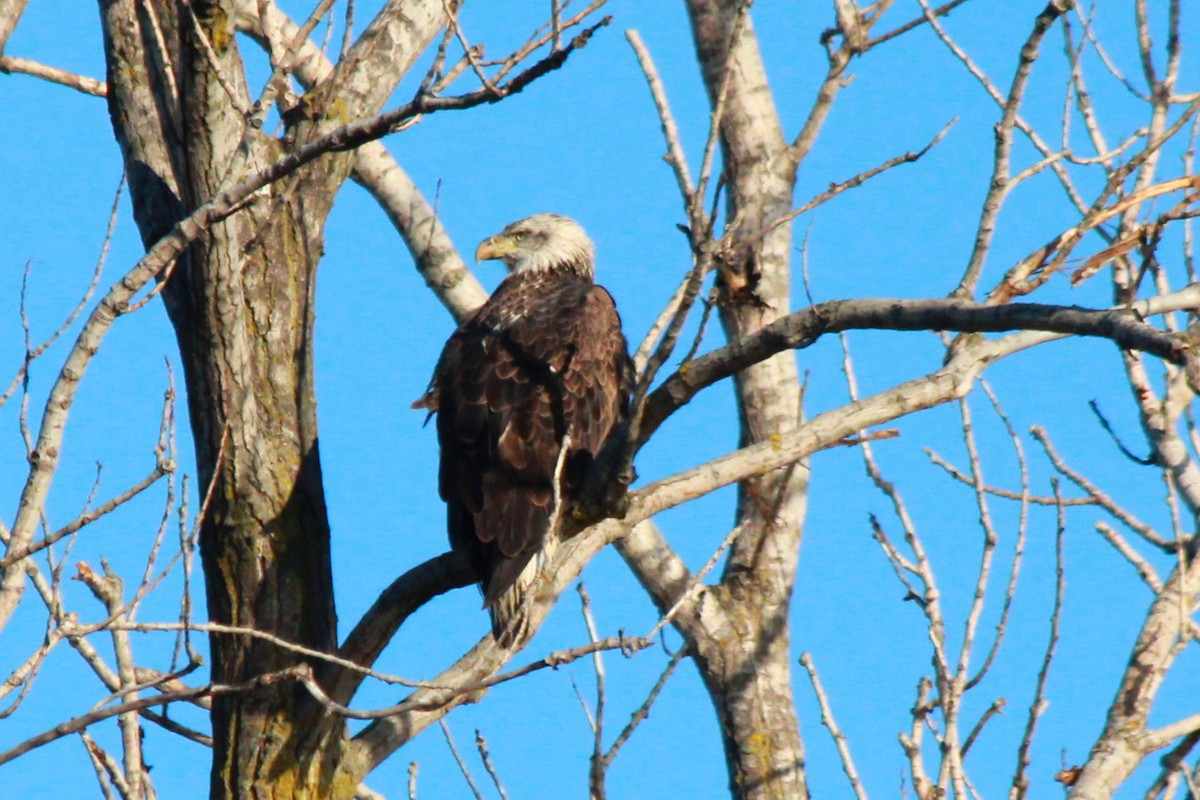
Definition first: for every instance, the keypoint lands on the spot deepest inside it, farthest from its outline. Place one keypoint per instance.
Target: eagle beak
(495, 247)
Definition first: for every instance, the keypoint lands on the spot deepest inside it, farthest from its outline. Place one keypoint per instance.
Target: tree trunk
(243, 313)
(241, 303)
(749, 674)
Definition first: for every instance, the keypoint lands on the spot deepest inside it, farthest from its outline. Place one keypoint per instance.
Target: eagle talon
(615, 506)
(619, 506)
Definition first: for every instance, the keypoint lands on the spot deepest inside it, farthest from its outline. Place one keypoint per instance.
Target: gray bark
(10, 14)
(738, 631)
(241, 303)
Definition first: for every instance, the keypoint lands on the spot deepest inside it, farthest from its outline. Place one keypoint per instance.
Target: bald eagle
(526, 392)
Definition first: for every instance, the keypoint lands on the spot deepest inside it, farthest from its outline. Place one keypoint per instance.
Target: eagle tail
(516, 521)
(507, 596)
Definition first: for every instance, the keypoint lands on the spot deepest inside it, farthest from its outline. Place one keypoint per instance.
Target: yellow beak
(495, 247)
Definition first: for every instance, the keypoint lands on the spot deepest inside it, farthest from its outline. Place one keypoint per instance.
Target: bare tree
(232, 220)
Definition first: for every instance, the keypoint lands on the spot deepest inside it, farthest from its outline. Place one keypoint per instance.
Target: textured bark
(746, 662)
(243, 317)
(10, 13)
(241, 303)
(1127, 738)
(434, 253)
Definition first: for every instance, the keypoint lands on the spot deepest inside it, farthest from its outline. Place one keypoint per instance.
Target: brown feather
(543, 358)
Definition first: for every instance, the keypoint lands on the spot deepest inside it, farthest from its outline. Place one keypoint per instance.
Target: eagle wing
(507, 391)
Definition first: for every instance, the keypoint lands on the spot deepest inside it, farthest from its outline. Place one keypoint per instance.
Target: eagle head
(543, 242)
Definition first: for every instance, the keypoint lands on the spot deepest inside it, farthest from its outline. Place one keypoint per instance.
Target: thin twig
(854, 182)
(83, 721)
(109, 589)
(675, 155)
(990, 540)
(80, 83)
(697, 581)
(462, 765)
(108, 772)
(1103, 500)
(596, 773)
(1001, 182)
(695, 210)
(664, 317)
(1018, 547)
(928, 597)
(1144, 568)
(1035, 499)
(89, 517)
(105, 245)
(485, 756)
(643, 711)
(1020, 783)
(828, 720)
(941, 11)
(995, 708)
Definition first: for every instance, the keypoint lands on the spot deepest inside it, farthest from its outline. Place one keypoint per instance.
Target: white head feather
(541, 242)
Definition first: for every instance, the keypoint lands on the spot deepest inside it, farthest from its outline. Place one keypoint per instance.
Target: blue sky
(585, 142)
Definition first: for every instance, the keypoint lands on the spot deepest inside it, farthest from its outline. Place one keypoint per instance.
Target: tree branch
(81, 722)
(433, 252)
(23, 66)
(802, 328)
(377, 627)
(468, 677)
(829, 429)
